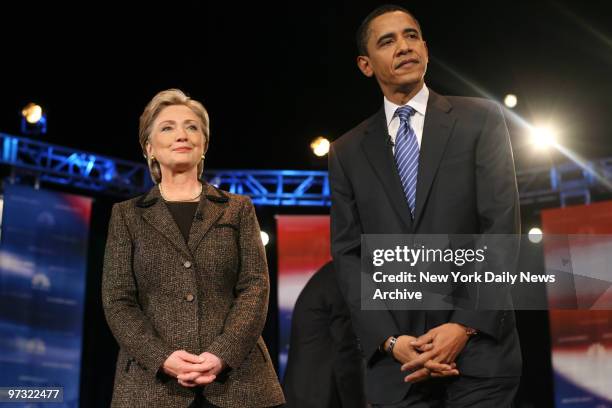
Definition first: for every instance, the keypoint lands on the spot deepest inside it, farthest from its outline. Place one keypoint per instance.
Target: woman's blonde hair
(160, 101)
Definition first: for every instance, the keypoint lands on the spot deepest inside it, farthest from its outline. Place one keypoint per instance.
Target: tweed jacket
(162, 294)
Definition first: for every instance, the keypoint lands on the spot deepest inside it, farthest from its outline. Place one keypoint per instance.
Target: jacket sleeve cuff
(154, 359)
(486, 322)
(225, 348)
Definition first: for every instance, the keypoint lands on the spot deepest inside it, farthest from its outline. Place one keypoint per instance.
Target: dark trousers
(460, 392)
(200, 401)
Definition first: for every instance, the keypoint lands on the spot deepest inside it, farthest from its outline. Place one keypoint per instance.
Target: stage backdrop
(582, 339)
(42, 285)
(303, 247)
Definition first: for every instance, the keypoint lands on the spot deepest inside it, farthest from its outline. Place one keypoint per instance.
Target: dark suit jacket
(466, 185)
(161, 294)
(325, 368)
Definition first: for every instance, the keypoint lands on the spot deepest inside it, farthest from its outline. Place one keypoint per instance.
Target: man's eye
(385, 42)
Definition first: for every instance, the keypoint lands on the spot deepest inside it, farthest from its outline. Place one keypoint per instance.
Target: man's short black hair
(363, 32)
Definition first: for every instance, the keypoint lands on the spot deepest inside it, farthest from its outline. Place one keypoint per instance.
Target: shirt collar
(418, 102)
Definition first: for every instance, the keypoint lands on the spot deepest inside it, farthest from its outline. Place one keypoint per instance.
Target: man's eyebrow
(408, 30)
(384, 37)
(411, 30)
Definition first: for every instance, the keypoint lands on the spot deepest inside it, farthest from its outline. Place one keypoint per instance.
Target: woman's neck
(180, 187)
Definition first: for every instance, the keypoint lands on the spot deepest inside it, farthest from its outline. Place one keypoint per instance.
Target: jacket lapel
(156, 213)
(212, 206)
(379, 153)
(437, 129)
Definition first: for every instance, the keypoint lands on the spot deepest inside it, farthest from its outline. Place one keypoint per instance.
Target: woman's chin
(182, 167)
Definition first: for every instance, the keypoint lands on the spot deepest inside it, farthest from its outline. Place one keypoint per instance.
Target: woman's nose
(181, 134)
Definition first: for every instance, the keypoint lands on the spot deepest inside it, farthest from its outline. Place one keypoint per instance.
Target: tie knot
(404, 112)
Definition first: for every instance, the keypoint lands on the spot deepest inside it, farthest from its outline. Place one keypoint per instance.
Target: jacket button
(189, 297)
(187, 264)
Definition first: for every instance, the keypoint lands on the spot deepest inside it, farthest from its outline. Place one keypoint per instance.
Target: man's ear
(363, 62)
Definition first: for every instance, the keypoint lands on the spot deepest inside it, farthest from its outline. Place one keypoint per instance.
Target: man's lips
(408, 62)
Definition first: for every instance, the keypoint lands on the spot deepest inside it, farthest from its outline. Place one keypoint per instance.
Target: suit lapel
(436, 132)
(156, 213)
(380, 155)
(212, 206)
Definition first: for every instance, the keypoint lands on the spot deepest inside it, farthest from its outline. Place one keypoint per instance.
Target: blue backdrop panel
(43, 255)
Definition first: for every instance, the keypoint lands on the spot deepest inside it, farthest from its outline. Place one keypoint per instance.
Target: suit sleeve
(247, 316)
(498, 212)
(372, 327)
(128, 323)
(348, 365)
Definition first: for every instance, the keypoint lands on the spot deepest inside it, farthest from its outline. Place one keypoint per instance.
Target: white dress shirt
(419, 104)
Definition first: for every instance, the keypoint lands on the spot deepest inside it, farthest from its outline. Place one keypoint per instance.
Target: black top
(183, 213)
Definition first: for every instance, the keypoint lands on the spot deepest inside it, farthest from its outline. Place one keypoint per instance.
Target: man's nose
(404, 46)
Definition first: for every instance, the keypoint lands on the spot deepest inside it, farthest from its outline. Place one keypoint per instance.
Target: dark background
(275, 75)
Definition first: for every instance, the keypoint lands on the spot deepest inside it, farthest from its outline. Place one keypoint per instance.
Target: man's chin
(409, 83)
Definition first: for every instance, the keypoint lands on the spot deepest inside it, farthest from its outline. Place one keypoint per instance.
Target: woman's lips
(182, 149)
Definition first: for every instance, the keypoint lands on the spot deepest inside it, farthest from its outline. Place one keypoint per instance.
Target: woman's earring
(152, 158)
(202, 157)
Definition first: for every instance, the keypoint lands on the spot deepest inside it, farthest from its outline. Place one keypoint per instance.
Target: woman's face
(177, 139)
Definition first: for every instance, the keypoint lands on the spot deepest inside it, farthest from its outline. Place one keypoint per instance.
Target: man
(325, 368)
(423, 164)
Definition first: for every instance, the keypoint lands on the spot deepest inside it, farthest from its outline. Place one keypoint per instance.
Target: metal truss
(61, 165)
(567, 183)
(562, 184)
(275, 187)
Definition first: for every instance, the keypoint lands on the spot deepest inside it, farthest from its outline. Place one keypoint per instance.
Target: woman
(185, 283)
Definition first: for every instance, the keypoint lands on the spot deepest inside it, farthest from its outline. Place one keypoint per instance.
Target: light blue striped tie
(407, 155)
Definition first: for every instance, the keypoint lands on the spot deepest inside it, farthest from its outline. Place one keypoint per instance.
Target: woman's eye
(166, 128)
(192, 127)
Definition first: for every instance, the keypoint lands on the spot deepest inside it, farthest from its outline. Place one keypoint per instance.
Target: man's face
(397, 55)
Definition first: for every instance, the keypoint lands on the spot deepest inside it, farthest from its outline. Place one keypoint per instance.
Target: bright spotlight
(535, 235)
(320, 146)
(510, 101)
(32, 113)
(543, 137)
(265, 238)
(33, 119)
